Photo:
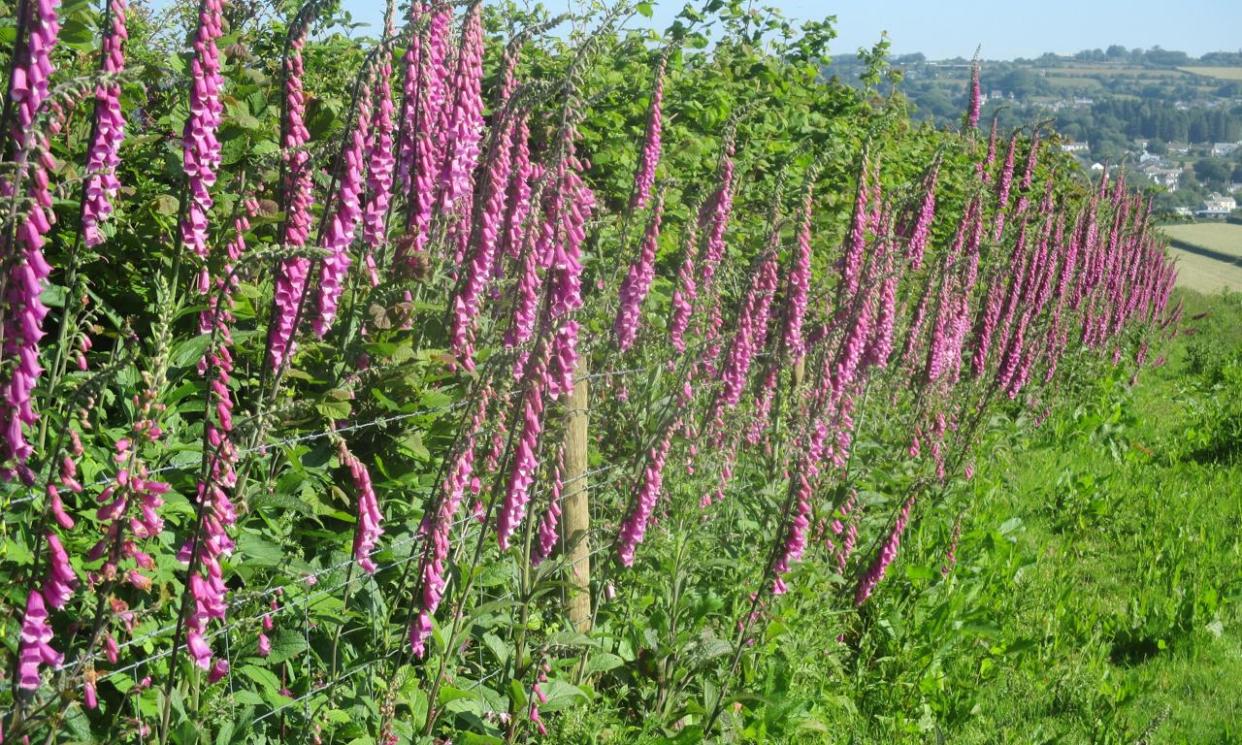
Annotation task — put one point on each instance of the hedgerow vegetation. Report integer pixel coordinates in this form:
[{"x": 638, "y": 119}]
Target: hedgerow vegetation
[{"x": 511, "y": 377}]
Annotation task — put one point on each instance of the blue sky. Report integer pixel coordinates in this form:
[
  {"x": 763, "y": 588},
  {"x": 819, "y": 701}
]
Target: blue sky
[{"x": 948, "y": 28}]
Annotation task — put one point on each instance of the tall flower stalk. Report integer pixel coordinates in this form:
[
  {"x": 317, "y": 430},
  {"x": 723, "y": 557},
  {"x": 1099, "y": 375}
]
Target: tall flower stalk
[
  {"x": 649, "y": 159},
  {"x": 200, "y": 145},
  {"x": 22, "y": 242},
  {"x": 109, "y": 129}
]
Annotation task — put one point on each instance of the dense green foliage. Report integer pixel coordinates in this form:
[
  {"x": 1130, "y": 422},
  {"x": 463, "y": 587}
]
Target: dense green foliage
[{"x": 693, "y": 641}]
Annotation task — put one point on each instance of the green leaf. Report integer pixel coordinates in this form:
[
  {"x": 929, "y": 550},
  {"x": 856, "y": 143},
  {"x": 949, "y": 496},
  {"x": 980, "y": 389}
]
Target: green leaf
[
  {"x": 333, "y": 409},
  {"x": 562, "y": 695},
  {"x": 286, "y": 644},
  {"x": 264, "y": 677},
  {"x": 602, "y": 662},
  {"x": 259, "y": 551},
  {"x": 166, "y": 205}
]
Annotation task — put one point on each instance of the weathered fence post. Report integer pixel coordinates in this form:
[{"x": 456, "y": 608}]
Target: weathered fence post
[{"x": 576, "y": 510}]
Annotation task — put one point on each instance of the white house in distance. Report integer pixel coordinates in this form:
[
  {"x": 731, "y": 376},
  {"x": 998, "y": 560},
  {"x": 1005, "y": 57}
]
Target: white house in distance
[
  {"x": 1075, "y": 147},
  {"x": 1217, "y": 206},
  {"x": 1221, "y": 149},
  {"x": 1169, "y": 178}
]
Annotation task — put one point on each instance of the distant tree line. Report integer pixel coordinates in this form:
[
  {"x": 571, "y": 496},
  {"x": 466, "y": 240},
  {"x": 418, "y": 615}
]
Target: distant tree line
[{"x": 1152, "y": 120}]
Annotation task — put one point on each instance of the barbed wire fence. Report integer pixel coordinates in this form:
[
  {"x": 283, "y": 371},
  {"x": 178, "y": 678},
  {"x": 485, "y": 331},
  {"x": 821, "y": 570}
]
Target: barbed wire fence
[{"x": 73, "y": 672}]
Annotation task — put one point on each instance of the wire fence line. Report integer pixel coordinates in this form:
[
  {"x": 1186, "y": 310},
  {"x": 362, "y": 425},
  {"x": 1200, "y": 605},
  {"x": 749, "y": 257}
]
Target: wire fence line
[
  {"x": 79, "y": 664},
  {"x": 378, "y": 421},
  {"x": 308, "y": 600}
]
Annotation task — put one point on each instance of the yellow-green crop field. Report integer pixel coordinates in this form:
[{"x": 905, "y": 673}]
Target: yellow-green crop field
[
  {"x": 1224, "y": 73},
  {"x": 1205, "y": 273}
]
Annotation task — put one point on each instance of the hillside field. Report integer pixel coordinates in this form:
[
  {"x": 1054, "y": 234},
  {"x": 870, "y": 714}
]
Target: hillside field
[
  {"x": 1223, "y": 73},
  {"x": 1207, "y": 274}
]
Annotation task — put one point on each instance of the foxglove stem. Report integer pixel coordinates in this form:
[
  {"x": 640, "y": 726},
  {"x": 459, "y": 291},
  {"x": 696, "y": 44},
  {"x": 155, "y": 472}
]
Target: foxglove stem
[
  {"x": 26, "y": 267},
  {"x": 380, "y": 161},
  {"x": 464, "y": 128},
  {"x": 637, "y": 282},
  {"x": 420, "y": 155},
  {"x": 370, "y": 517},
  {"x": 200, "y": 147},
  {"x": 644, "y": 177},
  {"x": 290, "y": 281},
  {"x": 922, "y": 227},
  {"x": 459, "y": 479},
  {"x": 799, "y": 282},
  {"x": 888, "y": 552},
  {"x": 687, "y": 289},
  {"x": 856, "y": 242},
  {"x": 795, "y": 539},
  {"x": 339, "y": 235},
  {"x": 634, "y": 526},
  {"x": 489, "y": 234},
  {"x": 718, "y": 219},
  {"x": 548, "y": 533},
  {"x": 972, "y": 108},
  {"x": 103, "y": 155}
]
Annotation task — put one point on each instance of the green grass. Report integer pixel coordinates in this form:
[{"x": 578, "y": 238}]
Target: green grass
[
  {"x": 1131, "y": 580},
  {"x": 1098, "y": 595}
]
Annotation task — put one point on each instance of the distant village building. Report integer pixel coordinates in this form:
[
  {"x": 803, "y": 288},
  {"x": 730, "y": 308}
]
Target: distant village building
[
  {"x": 1183, "y": 212},
  {"x": 1097, "y": 167},
  {"x": 1169, "y": 178},
  {"x": 1179, "y": 148},
  {"x": 1146, "y": 158},
  {"x": 1217, "y": 205},
  {"x": 1221, "y": 149},
  {"x": 1075, "y": 147}
]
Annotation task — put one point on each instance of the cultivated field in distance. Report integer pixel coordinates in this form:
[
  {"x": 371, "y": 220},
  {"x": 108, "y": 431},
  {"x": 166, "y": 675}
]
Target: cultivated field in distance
[
  {"x": 1224, "y": 73},
  {"x": 1209, "y": 255}
]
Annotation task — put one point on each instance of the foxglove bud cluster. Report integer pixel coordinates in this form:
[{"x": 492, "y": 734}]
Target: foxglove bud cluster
[
  {"x": 200, "y": 146},
  {"x": 634, "y": 526},
  {"x": 103, "y": 155},
  {"x": 339, "y": 235},
  {"x": 638, "y": 281},
  {"x": 370, "y": 517},
  {"x": 290, "y": 281},
  {"x": 29, "y": 84},
  {"x": 644, "y": 177}
]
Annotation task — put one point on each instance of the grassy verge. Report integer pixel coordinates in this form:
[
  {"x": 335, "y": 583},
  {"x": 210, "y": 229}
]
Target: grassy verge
[{"x": 1097, "y": 595}]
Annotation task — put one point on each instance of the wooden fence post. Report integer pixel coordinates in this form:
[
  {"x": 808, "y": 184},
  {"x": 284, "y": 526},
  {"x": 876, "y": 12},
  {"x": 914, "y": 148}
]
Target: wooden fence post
[{"x": 576, "y": 507}]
